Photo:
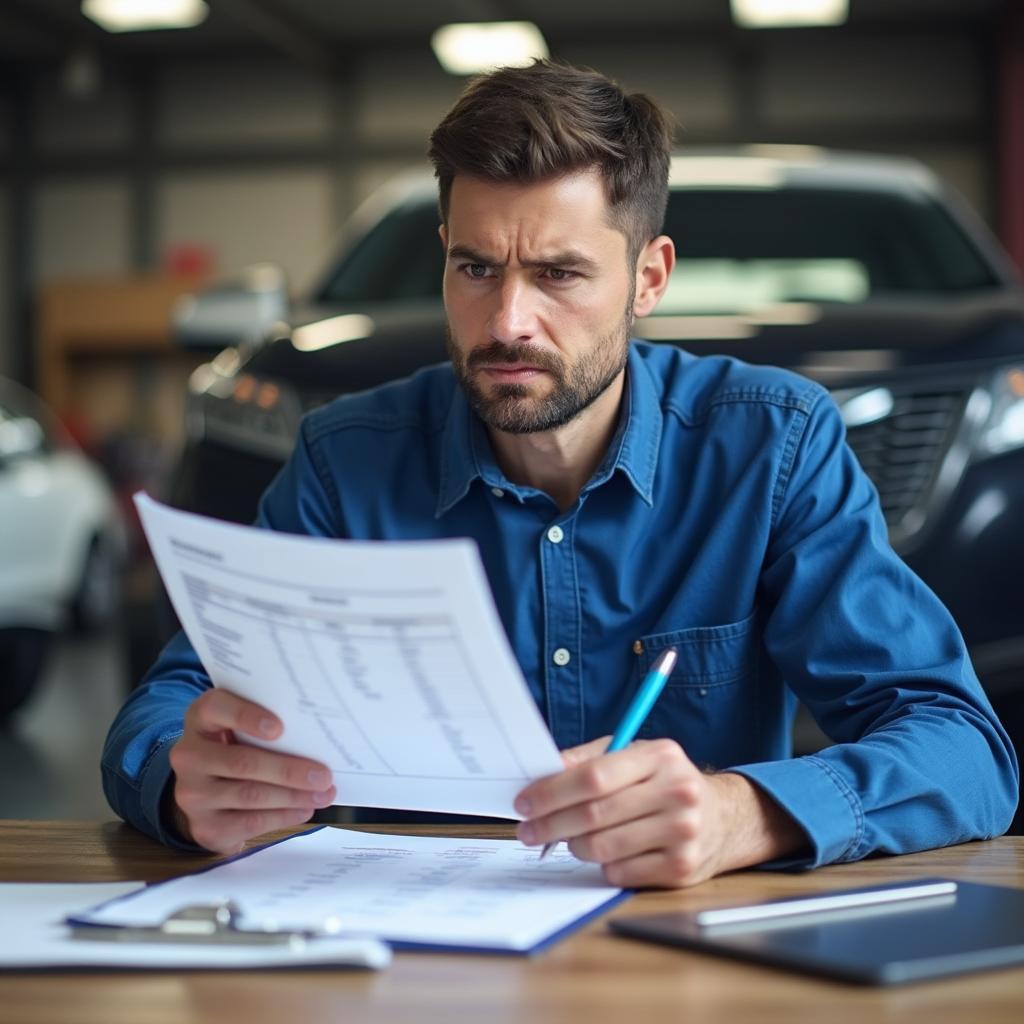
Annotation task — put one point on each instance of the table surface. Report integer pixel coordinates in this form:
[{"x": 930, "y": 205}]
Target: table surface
[{"x": 590, "y": 977}]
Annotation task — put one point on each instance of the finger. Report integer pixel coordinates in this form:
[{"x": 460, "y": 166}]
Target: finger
[
  {"x": 201, "y": 759},
  {"x": 217, "y": 709},
  {"x": 603, "y": 813},
  {"x": 663, "y": 869},
  {"x": 585, "y": 752},
  {"x": 598, "y": 777},
  {"x": 228, "y": 831},
  {"x": 577, "y": 755},
  {"x": 669, "y": 830},
  {"x": 219, "y": 794}
]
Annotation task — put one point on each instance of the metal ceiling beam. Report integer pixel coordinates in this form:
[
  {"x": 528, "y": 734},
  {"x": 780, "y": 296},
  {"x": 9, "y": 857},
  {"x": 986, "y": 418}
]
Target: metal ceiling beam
[
  {"x": 281, "y": 31},
  {"x": 48, "y": 23},
  {"x": 330, "y": 155},
  {"x": 480, "y": 10},
  {"x": 55, "y": 35}
]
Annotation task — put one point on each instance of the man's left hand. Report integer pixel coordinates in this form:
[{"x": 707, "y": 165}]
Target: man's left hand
[{"x": 650, "y": 817}]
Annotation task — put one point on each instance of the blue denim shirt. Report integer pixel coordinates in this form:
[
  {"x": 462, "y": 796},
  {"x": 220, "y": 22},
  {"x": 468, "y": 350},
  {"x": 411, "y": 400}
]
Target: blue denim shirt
[{"x": 728, "y": 518}]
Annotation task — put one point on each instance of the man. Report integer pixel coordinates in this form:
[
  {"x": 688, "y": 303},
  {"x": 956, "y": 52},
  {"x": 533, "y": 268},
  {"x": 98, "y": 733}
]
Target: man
[{"x": 625, "y": 497}]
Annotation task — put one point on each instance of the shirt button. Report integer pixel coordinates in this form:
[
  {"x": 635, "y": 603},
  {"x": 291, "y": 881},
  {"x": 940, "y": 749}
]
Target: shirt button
[
  {"x": 561, "y": 656},
  {"x": 555, "y": 535},
  {"x": 497, "y": 492}
]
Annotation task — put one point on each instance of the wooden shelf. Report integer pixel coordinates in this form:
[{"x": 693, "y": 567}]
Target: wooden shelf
[{"x": 105, "y": 356}]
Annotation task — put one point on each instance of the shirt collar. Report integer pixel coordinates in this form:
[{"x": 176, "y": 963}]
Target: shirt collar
[
  {"x": 458, "y": 462},
  {"x": 466, "y": 451},
  {"x": 641, "y": 442}
]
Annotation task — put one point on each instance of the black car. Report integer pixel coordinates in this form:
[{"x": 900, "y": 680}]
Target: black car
[{"x": 865, "y": 273}]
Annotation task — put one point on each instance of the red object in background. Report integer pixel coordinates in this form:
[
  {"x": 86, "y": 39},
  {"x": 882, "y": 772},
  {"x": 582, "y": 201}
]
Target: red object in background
[
  {"x": 189, "y": 260},
  {"x": 81, "y": 432}
]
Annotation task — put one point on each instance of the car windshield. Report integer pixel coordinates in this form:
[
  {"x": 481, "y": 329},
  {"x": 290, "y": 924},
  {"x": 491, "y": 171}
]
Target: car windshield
[
  {"x": 401, "y": 258},
  {"x": 738, "y": 249}
]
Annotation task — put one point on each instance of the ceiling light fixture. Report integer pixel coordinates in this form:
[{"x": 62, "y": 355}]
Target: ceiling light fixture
[
  {"x": 476, "y": 48},
  {"x": 789, "y": 13},
  {"x": 145, "y": 15}
]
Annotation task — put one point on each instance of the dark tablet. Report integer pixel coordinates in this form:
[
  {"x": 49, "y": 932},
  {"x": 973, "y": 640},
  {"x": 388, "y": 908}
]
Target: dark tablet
[{"x": 881, "y": 935}]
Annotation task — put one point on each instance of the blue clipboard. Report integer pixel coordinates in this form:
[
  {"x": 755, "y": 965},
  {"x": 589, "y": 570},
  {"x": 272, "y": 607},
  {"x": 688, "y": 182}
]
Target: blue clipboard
[{"x": 210, "y": 924}]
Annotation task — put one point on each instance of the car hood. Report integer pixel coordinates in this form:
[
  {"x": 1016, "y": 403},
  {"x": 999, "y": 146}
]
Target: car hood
[
  {"x": 838, "y": 345},
  {"x": 841, "y": 344}
]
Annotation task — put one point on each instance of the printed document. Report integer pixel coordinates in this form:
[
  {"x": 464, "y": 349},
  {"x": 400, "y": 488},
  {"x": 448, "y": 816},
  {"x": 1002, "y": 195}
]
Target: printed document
[
  {"x": 40, "y": 938},
  {"x": 387, "y": 661},
  {"x": 462, "y": 893}
]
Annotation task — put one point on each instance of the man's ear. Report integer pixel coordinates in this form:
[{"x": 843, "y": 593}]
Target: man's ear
[
  {"x": 442, "y": 230},
  {"x": 654, "y": 267}
]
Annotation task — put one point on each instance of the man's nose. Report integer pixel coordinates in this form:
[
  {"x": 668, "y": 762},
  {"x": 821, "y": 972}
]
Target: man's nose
[{"x": 515, "y": 317}]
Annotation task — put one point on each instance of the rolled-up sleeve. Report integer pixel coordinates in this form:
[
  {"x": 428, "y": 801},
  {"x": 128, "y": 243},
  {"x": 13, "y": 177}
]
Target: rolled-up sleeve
[
  {"x": 135, "y": 765},
  {"x": 920, "y": 759}
]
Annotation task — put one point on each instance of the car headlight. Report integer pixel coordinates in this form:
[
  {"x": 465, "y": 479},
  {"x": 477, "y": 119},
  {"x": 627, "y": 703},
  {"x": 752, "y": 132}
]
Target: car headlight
[
  {"x": 1003, "y": 430},
  {"x": 241, "y": 410}
]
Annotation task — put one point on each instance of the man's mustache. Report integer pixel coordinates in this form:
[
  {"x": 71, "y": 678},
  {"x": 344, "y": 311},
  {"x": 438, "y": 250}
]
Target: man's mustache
[{"x": 497, "y": 353}]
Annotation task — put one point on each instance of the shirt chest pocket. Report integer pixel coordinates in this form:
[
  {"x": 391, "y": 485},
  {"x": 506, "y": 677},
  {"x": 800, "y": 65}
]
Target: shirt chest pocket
[{"x": 710, "y": 702}]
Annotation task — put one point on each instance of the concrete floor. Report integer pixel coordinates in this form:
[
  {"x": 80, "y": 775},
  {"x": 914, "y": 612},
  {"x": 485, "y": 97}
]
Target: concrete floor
[{"x": 50, "y": 750}]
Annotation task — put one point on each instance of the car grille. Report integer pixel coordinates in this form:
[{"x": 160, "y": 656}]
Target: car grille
[{"x": 904, "y": 453}]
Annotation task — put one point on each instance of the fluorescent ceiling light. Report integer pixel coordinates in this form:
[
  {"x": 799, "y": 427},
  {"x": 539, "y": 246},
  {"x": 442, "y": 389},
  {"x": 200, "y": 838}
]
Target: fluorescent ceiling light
[
  {"x": 788, "y": 13},
  {"x": 476, "y": 48},
  {"x": 143, "y": 15}
]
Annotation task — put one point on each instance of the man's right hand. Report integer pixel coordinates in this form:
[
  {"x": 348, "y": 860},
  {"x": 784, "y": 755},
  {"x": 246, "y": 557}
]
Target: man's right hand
[{"x": 226, "y": 792}]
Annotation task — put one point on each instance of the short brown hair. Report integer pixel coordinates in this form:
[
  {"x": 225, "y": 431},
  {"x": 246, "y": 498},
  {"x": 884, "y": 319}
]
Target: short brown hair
[{"x": 538, "y": 122}]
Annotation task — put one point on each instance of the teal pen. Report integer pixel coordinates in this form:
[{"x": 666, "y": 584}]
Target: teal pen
[{"x": 639, "y": 708}]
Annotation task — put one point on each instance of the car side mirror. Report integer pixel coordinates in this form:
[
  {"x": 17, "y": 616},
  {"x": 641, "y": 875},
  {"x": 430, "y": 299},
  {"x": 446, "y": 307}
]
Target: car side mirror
[
  {"x": 242, "y": 312},
  {"x": 20, "y": 437}
]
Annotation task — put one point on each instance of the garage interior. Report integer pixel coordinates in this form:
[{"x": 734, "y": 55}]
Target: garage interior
[{"x": 138, "y": 167}]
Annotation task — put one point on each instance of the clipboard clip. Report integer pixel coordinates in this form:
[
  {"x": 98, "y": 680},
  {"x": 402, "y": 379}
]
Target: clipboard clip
[{"x": 202, "y": 924}]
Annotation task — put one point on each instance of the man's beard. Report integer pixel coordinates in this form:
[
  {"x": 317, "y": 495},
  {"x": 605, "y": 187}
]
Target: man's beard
[{"x": 509, "y": 407}]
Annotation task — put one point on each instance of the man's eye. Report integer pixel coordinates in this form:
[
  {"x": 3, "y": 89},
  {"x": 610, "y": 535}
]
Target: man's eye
[
  {"x": 560, "y": 274},
  {"x": 478, "y": 271}
]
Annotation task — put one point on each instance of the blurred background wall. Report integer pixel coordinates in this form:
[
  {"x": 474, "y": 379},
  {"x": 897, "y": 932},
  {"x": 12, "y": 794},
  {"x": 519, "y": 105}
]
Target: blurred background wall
[{"x": 253, "y": 137}]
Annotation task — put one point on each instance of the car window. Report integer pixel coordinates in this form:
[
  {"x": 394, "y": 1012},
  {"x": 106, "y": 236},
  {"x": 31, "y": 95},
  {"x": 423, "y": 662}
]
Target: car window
[
  {"x": 400, "y": 258},
  {"x": 737, "y": 249}
]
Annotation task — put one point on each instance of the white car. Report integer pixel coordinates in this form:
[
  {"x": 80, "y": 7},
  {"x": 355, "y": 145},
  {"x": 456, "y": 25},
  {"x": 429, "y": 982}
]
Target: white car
[{"x": 61, "y": 540}]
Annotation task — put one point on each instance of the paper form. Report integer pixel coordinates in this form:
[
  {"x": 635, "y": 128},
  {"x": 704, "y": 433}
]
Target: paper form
[
  {"x": 477, "y": 893},
  {"x": 385, "y": 661},
  {"x": 35, "y": 936}
]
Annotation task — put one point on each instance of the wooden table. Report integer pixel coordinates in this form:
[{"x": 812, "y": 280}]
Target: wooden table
[{"x": 591, "y": 977}]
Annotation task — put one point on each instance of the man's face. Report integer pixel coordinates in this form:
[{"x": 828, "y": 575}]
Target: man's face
[{"x": 539, "y": 298}]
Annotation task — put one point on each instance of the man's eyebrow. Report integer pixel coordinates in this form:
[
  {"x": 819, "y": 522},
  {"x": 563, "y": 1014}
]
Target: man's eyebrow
[
  {"x": 463, "y": 252},
  {"x": 570, "y": 259}
]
